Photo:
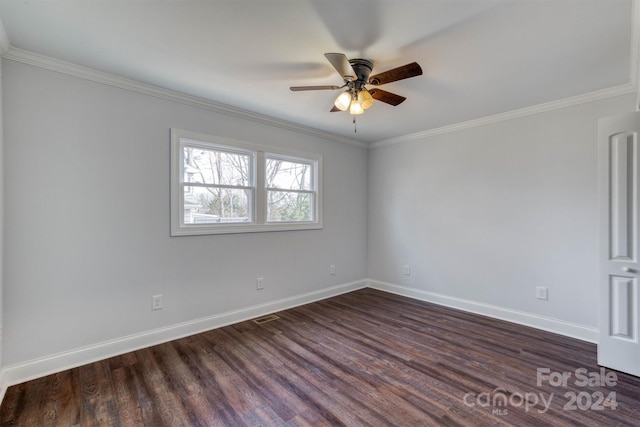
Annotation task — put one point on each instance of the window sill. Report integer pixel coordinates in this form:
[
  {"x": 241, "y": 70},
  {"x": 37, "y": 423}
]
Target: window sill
[{"x": 199, "y": 230}]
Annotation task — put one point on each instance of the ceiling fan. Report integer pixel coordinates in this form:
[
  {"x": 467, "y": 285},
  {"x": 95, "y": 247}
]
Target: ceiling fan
[{"x": 356, "y": 75}]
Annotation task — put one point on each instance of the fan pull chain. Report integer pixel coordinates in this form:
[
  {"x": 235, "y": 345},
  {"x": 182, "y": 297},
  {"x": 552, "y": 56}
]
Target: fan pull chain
[{"x": 355, "y": 127}]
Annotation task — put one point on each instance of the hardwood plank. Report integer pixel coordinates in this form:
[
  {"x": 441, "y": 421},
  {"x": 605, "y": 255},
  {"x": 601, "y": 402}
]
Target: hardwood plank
[
  {"x": 364, "y": 358},
  {"x": 125, "y": 396}
]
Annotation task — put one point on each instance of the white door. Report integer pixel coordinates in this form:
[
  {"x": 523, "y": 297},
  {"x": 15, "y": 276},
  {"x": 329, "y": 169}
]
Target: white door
[{"x": 618, "y": 156}]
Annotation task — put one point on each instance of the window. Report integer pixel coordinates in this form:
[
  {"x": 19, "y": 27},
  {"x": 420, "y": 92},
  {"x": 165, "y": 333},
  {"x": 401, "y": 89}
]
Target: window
[
  {"x": 290, "y": 194},
  {"x": 224, "y": 186},
  {"x": 217, "y": 184}
]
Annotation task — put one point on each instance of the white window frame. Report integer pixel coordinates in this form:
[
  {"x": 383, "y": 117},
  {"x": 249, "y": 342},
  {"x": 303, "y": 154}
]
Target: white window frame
[
  {"x": 311, "y": 192},
  {"x": 258, "y": 206}
]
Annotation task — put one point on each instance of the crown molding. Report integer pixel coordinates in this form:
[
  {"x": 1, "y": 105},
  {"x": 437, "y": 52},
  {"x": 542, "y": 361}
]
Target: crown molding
[
  {"x": 53, "y": 64},
  {"x": 79, "y": 71},
  {"x": 522, "y": 112},
  {"x": 632, "y": 87}
]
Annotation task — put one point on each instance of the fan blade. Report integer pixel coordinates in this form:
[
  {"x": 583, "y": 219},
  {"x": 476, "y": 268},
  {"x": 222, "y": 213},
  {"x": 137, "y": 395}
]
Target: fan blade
[
  {"x": 400, "y": 73},
  {"x": 342, "y": 65},
  {"x": 388, "y": 97},
  {"x": 334, "y": 109},
  {"x": 300, "y": 88}
]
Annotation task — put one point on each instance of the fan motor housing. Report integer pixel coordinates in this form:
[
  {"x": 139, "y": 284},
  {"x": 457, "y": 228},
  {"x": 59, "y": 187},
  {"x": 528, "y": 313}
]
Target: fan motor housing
[{"x": 363, "y": 68}]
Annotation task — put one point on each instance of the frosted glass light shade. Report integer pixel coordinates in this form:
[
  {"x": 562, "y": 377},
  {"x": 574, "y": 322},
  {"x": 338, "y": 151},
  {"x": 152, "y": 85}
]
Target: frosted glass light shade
[
  {"x": 356, "y": 108},
  {"x": 365, "y": 99},
  {"x": 343, "y": 101}
]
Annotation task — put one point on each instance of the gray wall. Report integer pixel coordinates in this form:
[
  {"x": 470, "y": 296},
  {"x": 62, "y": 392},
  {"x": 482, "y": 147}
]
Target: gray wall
[
  {"x": 487, "y": 214},
  {"x": 87, "y": 218},
  {"x": 484, "y": 214}
]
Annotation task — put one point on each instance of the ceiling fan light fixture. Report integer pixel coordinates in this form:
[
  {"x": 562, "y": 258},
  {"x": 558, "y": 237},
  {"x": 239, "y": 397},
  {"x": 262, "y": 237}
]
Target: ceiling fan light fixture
[
  {"x": 356, "y": 74},
  {"x": 355, "y": 107},
  {"x": 365, "y": 99},
  {"x": 343, "y": 101}
]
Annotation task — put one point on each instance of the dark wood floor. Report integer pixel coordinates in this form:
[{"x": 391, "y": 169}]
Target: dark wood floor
[{"x": 363, "y": 358}]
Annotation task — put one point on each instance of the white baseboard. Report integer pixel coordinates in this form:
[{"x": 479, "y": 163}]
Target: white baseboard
[
  {"x": 16, "y": 374},
  {"x": 573, "y": 330},
  {"x": 3, "y": 385}
]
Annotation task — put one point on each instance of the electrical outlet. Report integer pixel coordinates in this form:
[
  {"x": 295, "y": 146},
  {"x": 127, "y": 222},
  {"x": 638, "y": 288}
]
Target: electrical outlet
[
  {"x": 406, "y": 270},
  {"x": 542, "y": 293},
  {"x": 156, "y": 302},
  {"x": 332, "y": 269},
  {"x": 260, "y": 283}
]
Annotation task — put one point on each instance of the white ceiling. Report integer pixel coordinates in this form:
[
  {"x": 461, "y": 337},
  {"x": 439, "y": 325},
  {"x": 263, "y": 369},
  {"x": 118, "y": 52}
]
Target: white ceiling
[{"x": 479, "y": 58}]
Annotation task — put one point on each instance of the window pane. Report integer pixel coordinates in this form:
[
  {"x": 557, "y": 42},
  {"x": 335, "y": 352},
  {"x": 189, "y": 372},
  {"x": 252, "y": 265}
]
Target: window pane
[
  {"x": 216, "y": 167},
  {"x": 287, "y": 175},
  {"x": 285, "y": 206},
  {"x": 216, "y": 205}
]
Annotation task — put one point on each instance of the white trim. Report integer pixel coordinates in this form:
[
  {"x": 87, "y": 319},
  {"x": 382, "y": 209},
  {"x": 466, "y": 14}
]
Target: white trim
[
  {"x": 26, "y": 371},
  {"x": 634, "y": 55},
  {"x": 4, "y": 385},
  {"x": 75, "y": 70},
  {"x": 16, "y": 374},
  {"x": 501, "y": 117},
  {"x": 573, "y": 330},
  {"x": 259, "y": 153}
]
